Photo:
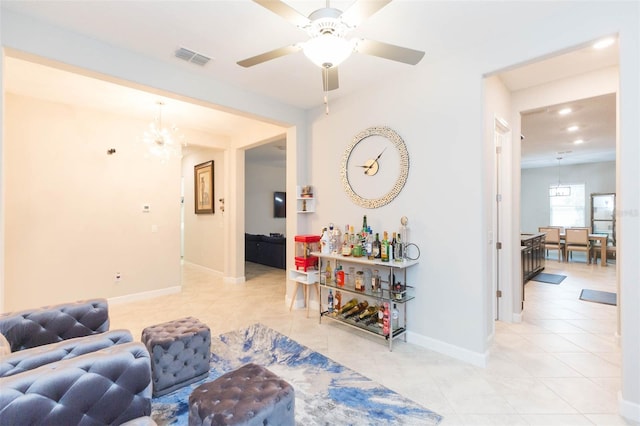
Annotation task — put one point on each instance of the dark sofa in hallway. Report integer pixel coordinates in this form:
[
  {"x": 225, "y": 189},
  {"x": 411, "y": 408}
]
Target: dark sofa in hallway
[{"x": 266, "y": 250}]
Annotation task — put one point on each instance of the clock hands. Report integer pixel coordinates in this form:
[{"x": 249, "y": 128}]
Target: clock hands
[{"x": 368, "y": 167}]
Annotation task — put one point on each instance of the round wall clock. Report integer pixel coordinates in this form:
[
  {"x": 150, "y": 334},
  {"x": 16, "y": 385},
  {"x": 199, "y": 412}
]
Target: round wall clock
[{"x": 375, "y": 167}]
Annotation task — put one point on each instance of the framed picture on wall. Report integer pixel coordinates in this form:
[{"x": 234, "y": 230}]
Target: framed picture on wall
[{"x": 203, "y": 185}]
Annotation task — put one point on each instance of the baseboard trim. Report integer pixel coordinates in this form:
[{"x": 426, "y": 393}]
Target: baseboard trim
[
  {"x": 144, "y": 295},
  {"x": 203, "y": 268},
  {"x": 628, "y": 409},
  {"x": 462, "y": 354},
  {"x": 229, "y": 280}
]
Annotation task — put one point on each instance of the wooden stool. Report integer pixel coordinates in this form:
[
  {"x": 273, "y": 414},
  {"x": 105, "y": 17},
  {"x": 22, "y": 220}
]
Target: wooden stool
[{"x": 306, "y": 294}]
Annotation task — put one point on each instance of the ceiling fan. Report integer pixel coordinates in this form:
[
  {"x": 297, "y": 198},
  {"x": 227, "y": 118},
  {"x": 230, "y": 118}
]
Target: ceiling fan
[{"x": 328, "y": 46}]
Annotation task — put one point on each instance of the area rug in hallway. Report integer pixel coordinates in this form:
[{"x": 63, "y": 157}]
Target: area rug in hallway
[
  {"x": 326, "y": 391},
  {"x": 543, "y": 277},
  {"x": 598, "y": 296}
]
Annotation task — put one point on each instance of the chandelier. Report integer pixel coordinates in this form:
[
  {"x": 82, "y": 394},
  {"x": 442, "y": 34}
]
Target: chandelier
[
  {"x": 559, "y": 190},
  {"x": 163, "y": 142}
]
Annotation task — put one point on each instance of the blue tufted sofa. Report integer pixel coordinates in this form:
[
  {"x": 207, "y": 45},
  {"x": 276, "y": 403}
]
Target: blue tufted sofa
[{"x": 67, "y": 368}]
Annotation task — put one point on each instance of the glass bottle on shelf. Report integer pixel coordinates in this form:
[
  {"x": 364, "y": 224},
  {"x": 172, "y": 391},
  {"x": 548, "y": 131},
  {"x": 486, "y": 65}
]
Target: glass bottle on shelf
[
  {"x": 325, "y": 242},
  {"x": 384, "y": 248},
  {"x": 392, "y": 247},
  {"x": 398, "y": 248},
  {"x": 367, "y": 280},
  {"x": 395, "y": 315},
  {"x": 336, "y": 239},
  {"x": 377, "y": 247},
  {"x": 385, "y": 319},
  {"x": 339, "y": 276},
  {"x": 365, "y": 229},
  {"x": 328, "y": 273},
  {"x": 359, "y": 285},
  {"x": 375, "y": 282},
  {"x": 330, "y": 302},
  {"x": 351, "y": 277}
]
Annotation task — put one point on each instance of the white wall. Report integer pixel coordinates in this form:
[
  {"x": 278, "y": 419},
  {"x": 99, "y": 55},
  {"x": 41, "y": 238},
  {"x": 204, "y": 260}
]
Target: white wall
[
  {"x": 534, "y": 209},
  {"x": 75, "y": 213},
  {"x": 261, "y": 182},
  {"x": 204, "y": 233}
]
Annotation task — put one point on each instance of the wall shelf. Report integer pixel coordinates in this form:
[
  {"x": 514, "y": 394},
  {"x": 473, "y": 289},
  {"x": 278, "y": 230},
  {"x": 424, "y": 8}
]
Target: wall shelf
[{"x": 304, "y": 203}]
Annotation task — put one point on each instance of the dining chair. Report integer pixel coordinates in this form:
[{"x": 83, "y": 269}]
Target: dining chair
[
  {"x": 552, "y": 241},
  {"x": 577, "y": 239}
]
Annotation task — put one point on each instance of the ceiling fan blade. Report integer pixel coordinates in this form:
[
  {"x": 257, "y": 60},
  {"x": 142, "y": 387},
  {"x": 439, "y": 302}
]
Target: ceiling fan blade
[
  {"x": 285, "y": 11},
  {"x": 329, "y": 79},
  {"x": 267, "y": 56},
  {"x": 389, "y": 51},
  {"x": 361, "y": 10}
]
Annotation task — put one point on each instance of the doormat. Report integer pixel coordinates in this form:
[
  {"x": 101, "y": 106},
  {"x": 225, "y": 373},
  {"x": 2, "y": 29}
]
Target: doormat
[
  {"x": 549, "y": 278},
  {"x": 599, "y": 297}
]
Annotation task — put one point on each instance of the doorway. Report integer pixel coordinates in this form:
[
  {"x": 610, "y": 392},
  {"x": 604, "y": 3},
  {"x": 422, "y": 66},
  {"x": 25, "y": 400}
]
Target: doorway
[{"x": 534, "y": 88}]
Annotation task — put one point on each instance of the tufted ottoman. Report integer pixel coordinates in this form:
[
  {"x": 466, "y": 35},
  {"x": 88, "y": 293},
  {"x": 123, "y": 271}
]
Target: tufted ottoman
[
  {"x": 180, "y": 351},
  {"x": 250, "y": 396}
]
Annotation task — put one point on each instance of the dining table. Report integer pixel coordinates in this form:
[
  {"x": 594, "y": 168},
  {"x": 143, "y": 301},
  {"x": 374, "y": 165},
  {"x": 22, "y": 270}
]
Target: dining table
[{"x": 602, "y": 238}]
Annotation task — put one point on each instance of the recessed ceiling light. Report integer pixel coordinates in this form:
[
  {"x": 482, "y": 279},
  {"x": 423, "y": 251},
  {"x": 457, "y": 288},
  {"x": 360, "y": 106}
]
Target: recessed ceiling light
[
  {"x": 564, "y": 111},
  {"x": 578, "y": 141},
  {"x": 572, "y": 128},
  {"x": 604, "y": 43}
]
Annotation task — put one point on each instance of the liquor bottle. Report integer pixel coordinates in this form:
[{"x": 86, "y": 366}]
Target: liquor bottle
[
  {"x": 385, "y": 319},
  {"x": 328, "y": 273},
  {"x": 369, "y": 244},
  {"x": 375, "y": 282},
  {"x": 356, "y": 309},
  {"x": 398, "y": 254},
  {"x": 365, "y": 229},
  {"x": 384, "y": 247},
  {"x": 336, "y": 239},
  {"x": 325, "y": 242},
  {"x": 359, "y": 281},
  {"x": 339, "y": 276},
  {"x": 395, "y": 315},
  {"x": 392, "y": 247},
  {"x": 337, "y": 301},
  {"x": 346, "y": 246},
  {"x": 347, "y": 306},
  {"x": 330, "y": 302},
  {"x": 377, "y": 248},
  {"x": 371, "y": 310}
]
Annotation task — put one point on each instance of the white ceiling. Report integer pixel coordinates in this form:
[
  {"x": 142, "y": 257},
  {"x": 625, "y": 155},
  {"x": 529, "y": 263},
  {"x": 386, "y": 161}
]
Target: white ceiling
[{"x": 229, "y": 31}]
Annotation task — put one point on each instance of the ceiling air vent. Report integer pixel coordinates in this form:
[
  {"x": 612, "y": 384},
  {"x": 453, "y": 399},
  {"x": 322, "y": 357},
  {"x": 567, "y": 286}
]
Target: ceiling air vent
[{"x": 191, "y": 56}]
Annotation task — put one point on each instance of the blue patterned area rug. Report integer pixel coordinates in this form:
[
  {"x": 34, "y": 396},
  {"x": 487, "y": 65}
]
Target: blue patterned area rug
[{"x": 327, "y": 393}]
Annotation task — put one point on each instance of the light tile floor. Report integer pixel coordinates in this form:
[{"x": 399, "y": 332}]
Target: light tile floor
[{"x": 560, "y": 366}]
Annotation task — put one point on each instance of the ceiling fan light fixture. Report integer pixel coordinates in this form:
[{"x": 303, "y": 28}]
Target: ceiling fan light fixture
[{"x": 328, "y": 50}]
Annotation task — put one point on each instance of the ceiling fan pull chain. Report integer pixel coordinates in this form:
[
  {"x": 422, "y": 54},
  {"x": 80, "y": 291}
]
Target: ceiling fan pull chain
[{"x": 325, "y": 75}]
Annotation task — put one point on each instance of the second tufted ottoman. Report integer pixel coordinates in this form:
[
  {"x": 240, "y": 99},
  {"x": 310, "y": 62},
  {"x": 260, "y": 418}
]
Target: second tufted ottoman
[
  {"x": 248, "y": 396},
  {"x": 180, "y": 352}
]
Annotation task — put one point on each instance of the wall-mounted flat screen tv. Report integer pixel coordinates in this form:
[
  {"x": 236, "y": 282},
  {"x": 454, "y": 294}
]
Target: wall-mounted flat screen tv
[{"x": 279, "y": 204}]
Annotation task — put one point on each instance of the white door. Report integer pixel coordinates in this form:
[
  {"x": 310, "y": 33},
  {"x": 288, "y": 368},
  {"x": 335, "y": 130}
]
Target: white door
[{"x": 502, "y": 134}]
